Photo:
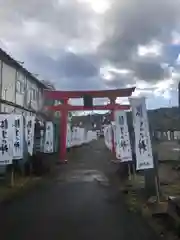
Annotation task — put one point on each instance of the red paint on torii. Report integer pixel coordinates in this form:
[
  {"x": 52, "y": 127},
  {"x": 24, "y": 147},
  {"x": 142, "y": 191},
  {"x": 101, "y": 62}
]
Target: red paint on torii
[
  {"x": 64, "y": 108},
  {"x": 68, "y": 107},
  {"x": 59, "y": 95}
]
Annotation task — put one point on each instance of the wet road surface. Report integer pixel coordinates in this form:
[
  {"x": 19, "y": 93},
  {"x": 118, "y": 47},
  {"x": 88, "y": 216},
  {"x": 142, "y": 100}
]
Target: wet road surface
[{"x": 74, "y": 205}]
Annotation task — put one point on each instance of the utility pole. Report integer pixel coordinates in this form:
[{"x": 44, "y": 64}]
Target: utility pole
[{"x": 178, "y": 114}]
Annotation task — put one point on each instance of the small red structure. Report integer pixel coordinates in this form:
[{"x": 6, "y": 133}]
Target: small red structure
[{"x": 65, "y": 107}]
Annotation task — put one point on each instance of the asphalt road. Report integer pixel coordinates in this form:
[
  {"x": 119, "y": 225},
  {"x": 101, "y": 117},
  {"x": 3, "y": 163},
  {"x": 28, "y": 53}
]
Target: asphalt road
[{"x": 76, "y": 204}]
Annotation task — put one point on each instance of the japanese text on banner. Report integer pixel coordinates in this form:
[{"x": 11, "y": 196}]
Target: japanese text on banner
[
  {"x": 6, "y": 139},
  {"x": 142, "y": 137},
  {"x": 123, "y": 146}
]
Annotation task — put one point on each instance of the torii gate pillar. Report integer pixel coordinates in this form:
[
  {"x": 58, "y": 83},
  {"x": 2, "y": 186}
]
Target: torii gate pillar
[
  {"x": 113, "y": 101},
  {"x": 63, "y": 132}
]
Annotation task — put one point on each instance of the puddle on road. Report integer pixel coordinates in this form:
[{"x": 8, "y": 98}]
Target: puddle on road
[
  {"x": 84, "y": 176},
  {"x": 97, "y": 150}
]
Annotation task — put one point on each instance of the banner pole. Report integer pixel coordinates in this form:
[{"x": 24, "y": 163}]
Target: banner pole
[
  {"x": 12, "y": 177},
  {"x": 134, "y": 171},
  {"x": 129, "y": 172},
  {"x": 157, "y": 190}
]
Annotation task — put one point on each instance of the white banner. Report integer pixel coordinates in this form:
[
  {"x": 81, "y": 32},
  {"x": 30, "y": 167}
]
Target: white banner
[
  {"x": 123, "y": 146},
  {"x": 108, "y": 136},
  {"x": 49, "y": 138},
  {"x": 88, "y": 137},
  {"x": 92, "y": 135},
  {"x": 18, "y": 128},
  {"x": 81, "y": 135},
  {"x": 68, "y": 136},
  {"x": 85, "y": 136},
  {"x": 144, "y": 158},
  {"x": 75, "y": 139},
  {"x": 29, "y": 132},
  {"x": 6, "y": 139},
  {"x": 42, "y": 132},
  {"x": 78, "y": 136}
]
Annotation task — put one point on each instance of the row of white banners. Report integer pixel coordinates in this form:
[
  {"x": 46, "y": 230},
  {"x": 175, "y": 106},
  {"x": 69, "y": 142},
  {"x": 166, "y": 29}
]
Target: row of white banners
[
  {"x": 15, "y": 130},
  {"x": 13, "y": 133},
  {"x": 78, "y": 136},
  {"x": 143, "y": 148}
]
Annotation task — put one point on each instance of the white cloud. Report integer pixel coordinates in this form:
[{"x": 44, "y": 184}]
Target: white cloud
[
  {"x": 40, "y": 32},
  {"x": 152, "y": 50},
  {"x": 99, "y": 6}
]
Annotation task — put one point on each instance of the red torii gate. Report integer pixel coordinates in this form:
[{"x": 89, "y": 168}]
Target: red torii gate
[{"x": 64, "y": 108}]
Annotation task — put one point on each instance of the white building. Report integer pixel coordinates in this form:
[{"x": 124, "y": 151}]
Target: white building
[{"x": 20, "y": 91}]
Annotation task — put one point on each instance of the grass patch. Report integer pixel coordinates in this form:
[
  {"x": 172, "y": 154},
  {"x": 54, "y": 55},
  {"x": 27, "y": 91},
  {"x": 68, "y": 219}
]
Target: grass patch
[{"x": 21, "y": 184}]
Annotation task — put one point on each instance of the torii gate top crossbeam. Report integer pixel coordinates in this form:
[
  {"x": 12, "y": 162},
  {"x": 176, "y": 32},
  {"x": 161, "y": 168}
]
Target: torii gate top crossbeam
[{"x": 59, "y": 95}]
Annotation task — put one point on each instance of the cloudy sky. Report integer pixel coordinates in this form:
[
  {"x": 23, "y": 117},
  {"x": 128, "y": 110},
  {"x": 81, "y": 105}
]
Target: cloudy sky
[{"x": 98, "y": 44}]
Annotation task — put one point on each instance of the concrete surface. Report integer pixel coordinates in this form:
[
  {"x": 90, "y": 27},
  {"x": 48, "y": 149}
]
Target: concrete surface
[{"x": 80, "y": 203}]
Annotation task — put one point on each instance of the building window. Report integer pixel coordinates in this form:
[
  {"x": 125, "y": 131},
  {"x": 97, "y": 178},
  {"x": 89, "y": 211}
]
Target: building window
[
  {"x": 20, "y": 83},
  {"x": 8, "y": 109},
  {"x": 34, "y": 94},
  {"x": 20, "y": 87},
  {"x": 5, "y": 109}
]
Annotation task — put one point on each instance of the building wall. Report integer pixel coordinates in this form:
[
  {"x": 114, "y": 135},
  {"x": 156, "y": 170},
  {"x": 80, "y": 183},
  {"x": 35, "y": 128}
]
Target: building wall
[
  {"x": 6, "y": 108},
  {"x": 17, "y": 88},
  {"x": 179, "y": 94},
  {"x": 41, "y": 99},
  {"x": 8, "y": 82},
  {"x": 20, "y": 83},
  {"x": 34, "y": 96}
]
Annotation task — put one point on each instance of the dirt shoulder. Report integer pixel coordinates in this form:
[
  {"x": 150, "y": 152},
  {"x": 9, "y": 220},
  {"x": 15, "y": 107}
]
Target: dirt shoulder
[{"x": 160, "y": 216}]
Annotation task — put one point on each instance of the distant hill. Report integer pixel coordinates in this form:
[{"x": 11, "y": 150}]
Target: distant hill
[{"x": 162, "y": 119}]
